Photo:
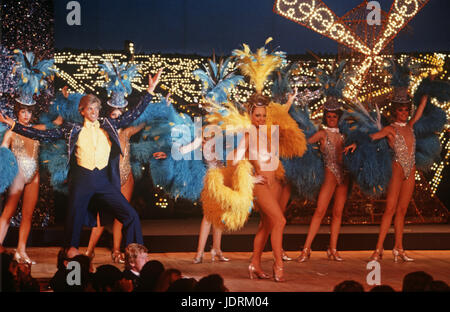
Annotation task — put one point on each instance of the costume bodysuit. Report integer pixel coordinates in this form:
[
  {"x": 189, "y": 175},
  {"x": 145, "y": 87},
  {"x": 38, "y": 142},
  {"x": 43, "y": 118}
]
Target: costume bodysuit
[
  {"x": 28, "y": 165},
  {"x": 124, "y": 164},
  {"x": 332, "y": 160},
  {"x": 401, "y": 156}
]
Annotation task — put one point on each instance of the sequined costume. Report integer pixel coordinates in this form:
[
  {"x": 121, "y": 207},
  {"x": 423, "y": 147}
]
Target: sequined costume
[
  {"x": 401, "y": 155},
  {"x": 332, "y": 155},
  {"x": 28, "y": 164},
  {"x": 124, "y": 164}
]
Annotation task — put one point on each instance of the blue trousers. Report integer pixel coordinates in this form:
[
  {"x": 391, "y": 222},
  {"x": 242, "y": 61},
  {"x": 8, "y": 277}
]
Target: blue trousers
[{"x": 83, "y": 185}]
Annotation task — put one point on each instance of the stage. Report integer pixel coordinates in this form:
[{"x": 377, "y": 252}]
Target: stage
[
  {"x": 174, "y": 242},
  {"x": 181, "y": 235},
  {"x": 318, "y": 274}
]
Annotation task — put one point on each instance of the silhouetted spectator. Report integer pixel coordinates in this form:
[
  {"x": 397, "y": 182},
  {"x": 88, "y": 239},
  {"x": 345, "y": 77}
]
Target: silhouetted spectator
[
  {"x": 7, "y": 281},
  {"x": 108, "y": 278},
  {"x": 211, "y": 283},
  {"x": 416, "y": 281},
  {"x": 64, "y": 279},
  {"x": 438, "y": 286},
  {"x": 167, "y": 278},
  {"x": 136, "y": 257},
  {"x": 349, "y": 286},
  {"x": 183, "y": 285},
  {"x": 382, "y": 288},
  {"x": 150, "y": 274}
]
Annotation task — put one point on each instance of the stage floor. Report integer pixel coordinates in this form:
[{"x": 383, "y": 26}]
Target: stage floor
[{"x": 318, "y": 274}]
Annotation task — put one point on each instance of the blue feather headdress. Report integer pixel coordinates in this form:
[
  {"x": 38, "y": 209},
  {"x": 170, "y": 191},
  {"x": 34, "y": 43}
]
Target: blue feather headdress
[
  {"x": 332, "y": 85},
  {"x": 31, "y": 76},
  {"x": 401, "y": 77},
  {"x": 217, "y": 80},
  {"x": 281, "y": 82},
  {"x": 118, "y": 82}
]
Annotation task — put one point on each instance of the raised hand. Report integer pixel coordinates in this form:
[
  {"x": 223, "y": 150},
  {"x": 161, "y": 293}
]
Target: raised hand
[
  {"x": 350, "y": 148},
  {"x": 153, "y": 82}
]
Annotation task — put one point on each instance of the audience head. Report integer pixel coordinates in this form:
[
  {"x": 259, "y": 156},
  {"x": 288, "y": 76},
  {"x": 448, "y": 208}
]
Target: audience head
[
  {"x": 136, "y": 256},
  {"x": 108, "y": 278},
  {"x": 382, "y": 288},
  {"x": 416, "y": 281},
  {"x": 349, "y": 286},
  {"x": 167, "y": 278},
  {"x": 183, "y": 285},
  {"x": 211, "y": 283},
  {"x": 8, "y": 266},
  {"x": 438, "y": 286},
  {"x": 150, "y": 274}
]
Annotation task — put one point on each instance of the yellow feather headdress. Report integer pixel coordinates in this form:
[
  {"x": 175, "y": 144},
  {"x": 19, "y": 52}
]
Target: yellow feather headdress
[{"x": 258, "y": 66}]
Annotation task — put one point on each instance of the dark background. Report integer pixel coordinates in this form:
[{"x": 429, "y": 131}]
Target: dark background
[{"x": 199, "y": 26}]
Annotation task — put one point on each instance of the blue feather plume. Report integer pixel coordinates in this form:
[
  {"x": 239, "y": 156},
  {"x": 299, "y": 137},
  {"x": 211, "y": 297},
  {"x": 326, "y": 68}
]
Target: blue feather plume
[
  {"x": 333, "y": 83},
  {"x": 53, "y": 156},
  {"x": 31, "y": 76},
  {"x": 118, "y": 77},
  {"x": 401, "y": 73},
  {"x": 217, "y": 80},
  {"x": 8, "y": 167}
]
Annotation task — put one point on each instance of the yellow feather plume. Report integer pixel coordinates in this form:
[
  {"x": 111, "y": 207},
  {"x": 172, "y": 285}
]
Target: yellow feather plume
[
  {"x": 292, "y": 140},
  {"x": 227, "y": 196},
  {"x": 234, "y": 121},
  {"x": 257, "y": 66}
]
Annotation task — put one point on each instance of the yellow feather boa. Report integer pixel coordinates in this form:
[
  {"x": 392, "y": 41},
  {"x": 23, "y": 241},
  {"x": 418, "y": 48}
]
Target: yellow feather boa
[
  {"x": 227, "y": 196},
  {"x": 292, "y": 139}
]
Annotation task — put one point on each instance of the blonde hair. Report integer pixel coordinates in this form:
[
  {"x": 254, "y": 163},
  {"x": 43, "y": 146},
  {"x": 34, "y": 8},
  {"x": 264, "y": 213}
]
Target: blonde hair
[
  {"x": 87, "y": 100},
  {"x": 131, "y": 253}
]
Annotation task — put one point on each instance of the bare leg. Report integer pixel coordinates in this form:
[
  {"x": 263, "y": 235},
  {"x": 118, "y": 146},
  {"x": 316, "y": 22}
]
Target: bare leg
[
  {"x": 325, "y": 195},
  {"x": 339, "y": 203},
  {"x": 205, "y": 227},
  {"x": 405, "y": 196},
  {"x": 394, "y": 187},
  {"x": 30, "y": 197},
  {"x": 217, "y": 237},
  {"x": 260, "y": 241},
  {"x": 275, "y": 217},
  {"x": 14, "y": 194}
]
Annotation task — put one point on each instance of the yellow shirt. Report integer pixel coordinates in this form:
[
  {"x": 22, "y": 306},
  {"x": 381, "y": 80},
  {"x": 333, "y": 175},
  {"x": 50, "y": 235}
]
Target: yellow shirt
[{"x": 93, "y": 146}]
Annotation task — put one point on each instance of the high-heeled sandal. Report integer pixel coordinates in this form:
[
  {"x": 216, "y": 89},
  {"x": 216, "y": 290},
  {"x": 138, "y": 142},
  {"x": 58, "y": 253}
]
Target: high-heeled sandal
[
  {"x": 377, "y": 255},
  {"x": 256, "y": 274},
  {"x": 91, "y": 256},
  {"x": 22, "y": 257},
  {"x": 117, "y": 257},
  {"x": 278, "y": 273},
  {"x": 285, "y": 257},
  {"x": 198, "y": 259},
  {"x": 305, "y": 255},
  {"x": 333, "y": 255},
  {"x": 400, "y": 253},
  {"x": 218, "y": 254}
]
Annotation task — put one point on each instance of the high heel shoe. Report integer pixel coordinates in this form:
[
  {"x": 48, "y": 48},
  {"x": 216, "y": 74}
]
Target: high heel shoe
[
  {"x": 198, "y": 259},
  {"x": 278, "y": 273},
  {"x": 377, "y": 255},
  {"x": 333, "y": 255},
  {"x": 253, "y": 273},
  {"x": 218, "y": 254},
  {"x": 22, "y": 257},
  {"x": 402, "y": 254},
  {"x": 117, "y": 257},
  {"x": 90, "y": 256},
  {"x": 285, "y": 257},
  {"x": 305, "y": 255}
]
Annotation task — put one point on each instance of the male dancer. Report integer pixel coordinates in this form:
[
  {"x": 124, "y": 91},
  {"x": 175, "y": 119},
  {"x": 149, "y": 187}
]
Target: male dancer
[{"x": 93, "y": 153}]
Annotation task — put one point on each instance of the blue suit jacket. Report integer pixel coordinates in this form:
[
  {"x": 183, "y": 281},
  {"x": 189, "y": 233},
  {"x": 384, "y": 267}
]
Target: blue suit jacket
[{"x": 70, "y": 132}]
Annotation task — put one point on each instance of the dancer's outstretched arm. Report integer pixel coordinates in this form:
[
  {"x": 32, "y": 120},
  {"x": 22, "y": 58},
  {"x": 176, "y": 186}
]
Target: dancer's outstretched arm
[
  {"x": 419, "y": 111},
  {"x": 291, "y": 99},
  {"x": 316, "y": 137}
]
